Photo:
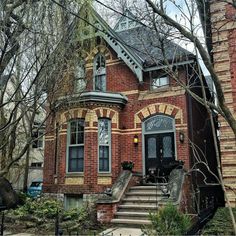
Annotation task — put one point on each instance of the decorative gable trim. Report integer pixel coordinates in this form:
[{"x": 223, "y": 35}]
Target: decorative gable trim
[{"x": 134, "y": 62}]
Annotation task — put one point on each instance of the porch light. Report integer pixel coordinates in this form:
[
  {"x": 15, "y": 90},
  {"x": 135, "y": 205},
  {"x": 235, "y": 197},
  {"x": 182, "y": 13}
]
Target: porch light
[
  {"x": 136, "y": 139},
  {"x": 181, "y": 137}
]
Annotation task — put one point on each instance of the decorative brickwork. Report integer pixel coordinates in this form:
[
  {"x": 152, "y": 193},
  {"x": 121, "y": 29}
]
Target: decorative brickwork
[{"x": 224, "y": 48}]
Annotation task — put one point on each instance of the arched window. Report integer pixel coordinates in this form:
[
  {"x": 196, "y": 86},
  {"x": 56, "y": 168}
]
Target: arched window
[
  {"x": 159, "y": 124},
  {"x": 100, "y": 73}
]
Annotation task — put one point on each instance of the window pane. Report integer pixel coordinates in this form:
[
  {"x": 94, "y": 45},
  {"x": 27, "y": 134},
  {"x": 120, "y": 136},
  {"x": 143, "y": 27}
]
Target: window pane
[
  {"x": 152, "y": 149},
  {"x": 80, "y": 125},
  {"x": 103, "y": 158},
  {"x": 73, "y": 165},
  {"x": 167, "y": 147},
  {"x": 76, "y": 159},
  {"x": 104, "y": 152},
  {"x": 73, "y": 126},
  {"x": 164, "y": 81},
  {"x": 100, "y": 82},
  {"x": 73, "y": 138},
  {"x": 100, "y": 73},
  {"x": 80, "y": 165},
  {"x": 103, "y": 132},
  {"x": 159, "y": 82},
  {"x": 80, "y": 138},
  {"x": 155, "y": 83}
]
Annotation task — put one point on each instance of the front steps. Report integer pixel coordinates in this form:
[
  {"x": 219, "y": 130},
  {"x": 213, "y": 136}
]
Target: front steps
[{"x": 138, "y": 202}]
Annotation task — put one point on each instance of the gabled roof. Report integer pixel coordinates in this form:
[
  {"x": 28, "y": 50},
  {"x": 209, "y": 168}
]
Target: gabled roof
[
  {"x": 140, "y": 47},
  {"x": 153, "y": 48},
  {"x": 132, "y": 60}
]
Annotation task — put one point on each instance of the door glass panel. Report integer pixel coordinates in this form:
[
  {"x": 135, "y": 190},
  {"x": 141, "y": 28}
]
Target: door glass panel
[
  {"x": 167, "y": 146},
  {"x": 152, "y": 150}
]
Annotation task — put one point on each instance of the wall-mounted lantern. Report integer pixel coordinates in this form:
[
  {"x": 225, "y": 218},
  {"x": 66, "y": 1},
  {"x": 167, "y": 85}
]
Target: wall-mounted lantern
[
  {"x": 181, "y": 137},
  {"x": 135, "y": 140}
]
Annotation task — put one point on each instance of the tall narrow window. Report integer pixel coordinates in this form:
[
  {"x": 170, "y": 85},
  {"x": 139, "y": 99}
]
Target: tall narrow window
[
  {"x": 104, "y": 142},
  {"x": 100, "y": 73},
  {"x": 76, "y": 146},
  {"x": 80, "y": 83}
]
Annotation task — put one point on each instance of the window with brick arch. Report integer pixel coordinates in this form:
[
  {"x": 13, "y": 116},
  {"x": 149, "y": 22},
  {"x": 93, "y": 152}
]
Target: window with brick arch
[
  {"x": 100, "y": 73},
  {"x": 104, "y": 145},
  {"x": 75, "y": 146}
]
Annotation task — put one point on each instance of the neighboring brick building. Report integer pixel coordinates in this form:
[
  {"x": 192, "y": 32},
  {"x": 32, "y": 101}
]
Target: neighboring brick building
[
  {"x": 222, "y": 45},
  {"x": 128, "y": 94}
]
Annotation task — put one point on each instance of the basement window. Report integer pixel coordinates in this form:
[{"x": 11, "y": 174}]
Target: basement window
[{"x": 73, "y": 201}]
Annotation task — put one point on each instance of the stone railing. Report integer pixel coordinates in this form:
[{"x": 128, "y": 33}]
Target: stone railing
[{"x": 108, "y": 202}]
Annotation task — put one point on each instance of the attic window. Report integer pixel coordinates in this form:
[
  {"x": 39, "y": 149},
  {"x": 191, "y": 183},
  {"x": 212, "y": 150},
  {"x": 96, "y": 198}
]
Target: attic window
[
  {"x": 100, "y": 73},
  {"x": 159, "y": 82}
]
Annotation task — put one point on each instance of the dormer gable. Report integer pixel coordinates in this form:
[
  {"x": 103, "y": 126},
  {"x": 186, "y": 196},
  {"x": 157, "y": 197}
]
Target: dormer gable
[{"x": 126, "y": 21}]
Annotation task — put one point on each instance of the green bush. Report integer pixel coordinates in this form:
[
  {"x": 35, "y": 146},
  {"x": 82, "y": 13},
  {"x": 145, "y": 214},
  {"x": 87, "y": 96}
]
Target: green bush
[
  {"x": 168, "y": 221},
  {"x": 44, "y": 208},
  {"x": 40, "y": 214},
  {"x": 220, "y": 224}
]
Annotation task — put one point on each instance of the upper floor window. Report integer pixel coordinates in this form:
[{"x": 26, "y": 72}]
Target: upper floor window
[
  {"x": 38, "y": 136},
  {"x": 75, "y": 147},
  {"x": 104, "y": 142},
  {"x": 159, "y": 82},
  {"x": 100, "y": 73},
  {"x": 80, "y": 83}
]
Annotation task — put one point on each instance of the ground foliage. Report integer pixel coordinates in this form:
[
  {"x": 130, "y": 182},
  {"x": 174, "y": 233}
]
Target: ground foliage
[
  {"x": 220, "y": 224},
  {"x": 39, "y": 216},
  {"x": 168, "y": 221}
]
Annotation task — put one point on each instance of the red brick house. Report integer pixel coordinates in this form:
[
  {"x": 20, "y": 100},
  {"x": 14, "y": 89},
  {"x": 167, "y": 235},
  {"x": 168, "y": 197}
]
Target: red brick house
[{"x": 120, "y": 103}]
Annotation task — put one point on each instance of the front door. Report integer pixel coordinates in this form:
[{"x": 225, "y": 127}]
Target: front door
[{"x": 159, "y": 151}]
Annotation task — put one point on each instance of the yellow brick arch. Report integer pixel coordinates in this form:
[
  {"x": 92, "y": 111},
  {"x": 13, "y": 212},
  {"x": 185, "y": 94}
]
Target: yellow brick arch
[
  {"x": 158, "y": 108},
  {"x": 106, "y": 112},
  {"x": 98, "y": 49},
  {"x": 74, "y": 114}
]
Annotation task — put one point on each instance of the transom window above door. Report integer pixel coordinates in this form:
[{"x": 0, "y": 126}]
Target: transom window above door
[
  {"x": 159, "y": 123},
  {"x": 100, "y": 73}
]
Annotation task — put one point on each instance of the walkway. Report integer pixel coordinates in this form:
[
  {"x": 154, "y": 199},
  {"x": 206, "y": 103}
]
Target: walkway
[{"x": 122, "y": 232}]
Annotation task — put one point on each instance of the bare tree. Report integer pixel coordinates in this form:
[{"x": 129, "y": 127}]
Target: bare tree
[{"x": 33, "y": 36}]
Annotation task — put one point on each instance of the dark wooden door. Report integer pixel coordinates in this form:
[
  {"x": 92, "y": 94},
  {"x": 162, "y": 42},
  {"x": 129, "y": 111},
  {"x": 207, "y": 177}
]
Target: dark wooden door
[{"x": 159, "y": 150}]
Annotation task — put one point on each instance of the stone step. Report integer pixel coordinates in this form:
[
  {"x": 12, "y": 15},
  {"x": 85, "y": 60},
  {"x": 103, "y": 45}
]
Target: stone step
[
  {"x": 132, "y": 215},
  {"x": 148, "y": 187},
  {"x": 131, "y": 221},
  {"x": 145, "y": 198},
  {"x": 145, "y": 193},
  {"x": 134, "y": 207}
]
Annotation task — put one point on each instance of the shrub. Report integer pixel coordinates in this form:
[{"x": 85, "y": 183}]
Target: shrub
[
  {"x": 44, "y": 208},
  {"x": 168, "y": 221},
  {"x": 220, "y": 224}
]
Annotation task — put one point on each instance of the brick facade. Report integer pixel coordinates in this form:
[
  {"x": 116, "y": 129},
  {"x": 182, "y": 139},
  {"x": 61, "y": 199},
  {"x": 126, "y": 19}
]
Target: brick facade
[
  {"x": 126, "y": 122},
  {"x": 224, "y": 58},
  {"x": 128, "y": 102}
]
